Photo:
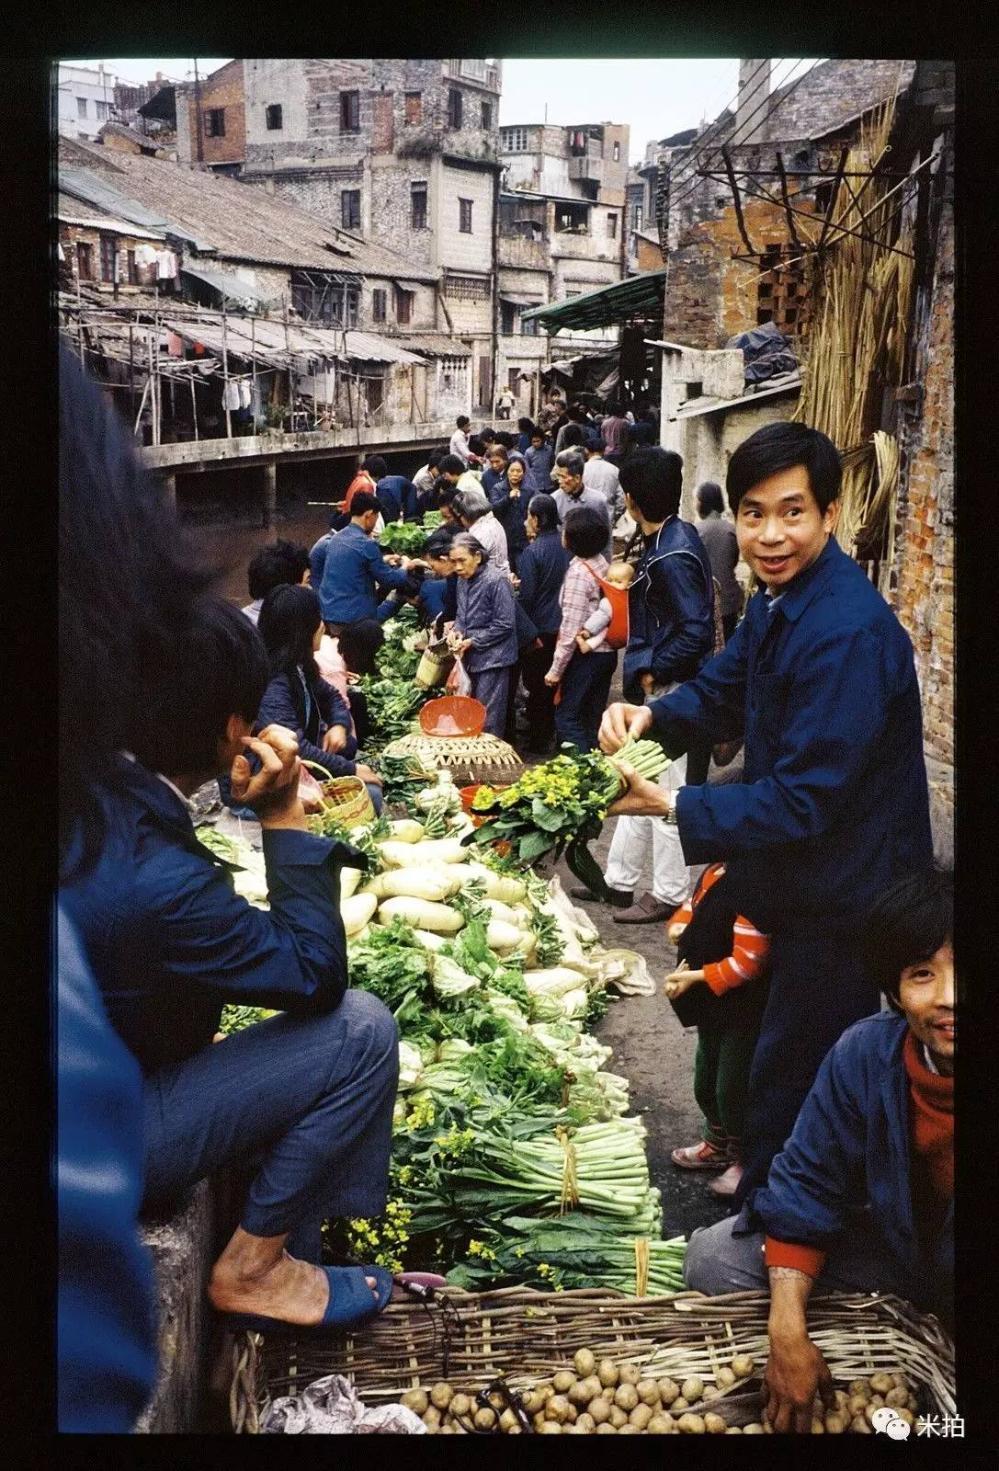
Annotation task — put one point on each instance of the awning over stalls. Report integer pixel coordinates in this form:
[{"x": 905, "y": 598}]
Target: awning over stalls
[
  {"x": 367, "y": 348},
  {"x": 516, "y": 298},
  {"x": 230, "y": 288},
  {"x": 434, "y": 345},
  {"x": 409, "y": 285},
  {"x": 637, "y": 296},
  {"x": 273, "y": 343}
]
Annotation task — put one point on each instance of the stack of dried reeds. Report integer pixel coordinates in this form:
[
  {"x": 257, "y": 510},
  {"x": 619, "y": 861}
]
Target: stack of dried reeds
[{"x": 862, "y": 289}]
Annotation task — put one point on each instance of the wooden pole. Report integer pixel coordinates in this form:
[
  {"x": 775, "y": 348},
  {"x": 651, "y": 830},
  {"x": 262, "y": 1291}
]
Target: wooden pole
[
  {"x": 225, "y": 376},
  {"x": 737, "y": 201},
  {"x": 287, "y": 348},
  {"x": 131, "y": 363},
  {"x": 194, "y": 407},
  {"x": 253, "y": 363}
]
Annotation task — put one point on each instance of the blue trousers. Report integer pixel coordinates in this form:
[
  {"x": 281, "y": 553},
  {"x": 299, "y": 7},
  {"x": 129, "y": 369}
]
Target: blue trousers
[
  {"x": 492, "y": 688},
  {"x": 585, "y": 686},
  {"x": 819, "y": 986},
  {"x": 304, "y": 1101}
]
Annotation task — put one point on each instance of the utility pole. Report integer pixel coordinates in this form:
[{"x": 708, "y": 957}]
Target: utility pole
[{"x": 199, "y": 149}]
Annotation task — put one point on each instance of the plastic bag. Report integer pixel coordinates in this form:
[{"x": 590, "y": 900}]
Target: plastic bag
[{"x": 459, "y": 681}]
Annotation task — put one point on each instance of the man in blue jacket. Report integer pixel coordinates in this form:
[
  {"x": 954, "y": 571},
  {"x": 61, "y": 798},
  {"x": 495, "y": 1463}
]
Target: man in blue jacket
[
  {"x": 819, "y": 681},
  {"x": 398, "y": 498},
  {"x": 356, "y": 570},
  {"x": 861, "y": 1198},
  {"x": 304, "y": 1098},
  {"x": 670, "y": 635}
]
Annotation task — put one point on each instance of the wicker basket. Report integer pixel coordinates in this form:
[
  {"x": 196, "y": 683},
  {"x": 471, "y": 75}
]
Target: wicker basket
[
  {"x": 435, "y": 665},
  {"x": 527, "y": 1336},
  {"x": 470, "y": 759},
  {"x": 350, "y": 800}
]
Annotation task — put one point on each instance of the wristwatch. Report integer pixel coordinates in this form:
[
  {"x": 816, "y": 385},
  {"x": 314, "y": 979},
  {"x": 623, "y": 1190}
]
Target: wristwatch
[{"x": 669, "y": 816}]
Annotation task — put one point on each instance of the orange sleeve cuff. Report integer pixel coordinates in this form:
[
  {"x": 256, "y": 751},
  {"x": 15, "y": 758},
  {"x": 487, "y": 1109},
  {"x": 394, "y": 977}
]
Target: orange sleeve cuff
[
  {"x": 715, "y": 978},
  {"x": 807, "y": 1259}
]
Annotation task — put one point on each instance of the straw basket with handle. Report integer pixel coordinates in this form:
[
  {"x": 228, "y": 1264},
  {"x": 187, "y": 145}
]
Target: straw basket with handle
[
  {"x": 435, "y": 665},
  {"x": 348, "y": 800},
  {"x": 526, "y": 1336}
]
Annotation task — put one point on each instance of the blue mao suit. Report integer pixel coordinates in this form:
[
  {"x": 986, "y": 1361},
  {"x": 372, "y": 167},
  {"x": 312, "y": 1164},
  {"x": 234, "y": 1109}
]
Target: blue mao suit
[{"x": 833, "y": 807}]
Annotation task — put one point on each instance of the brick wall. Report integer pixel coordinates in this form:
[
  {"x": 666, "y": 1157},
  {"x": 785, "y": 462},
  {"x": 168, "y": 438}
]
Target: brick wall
[
  {"x": 223, "y": 89},
  {"x": 924, "y": 598}
]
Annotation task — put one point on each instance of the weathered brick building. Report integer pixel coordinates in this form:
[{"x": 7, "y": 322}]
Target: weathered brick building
[
  {"x": 211, "y": 119},
  {"x": 402, "y": 151}
]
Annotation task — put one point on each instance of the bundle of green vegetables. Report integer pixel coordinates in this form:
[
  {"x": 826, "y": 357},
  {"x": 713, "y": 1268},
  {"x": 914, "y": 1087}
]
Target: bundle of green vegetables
[
  {"x": 408, "y": 538},
  {"x": 562, "y": 804}
]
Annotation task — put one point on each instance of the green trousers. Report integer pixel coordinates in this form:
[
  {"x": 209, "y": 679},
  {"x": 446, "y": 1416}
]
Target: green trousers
[{"x": 721, "y": 1081}]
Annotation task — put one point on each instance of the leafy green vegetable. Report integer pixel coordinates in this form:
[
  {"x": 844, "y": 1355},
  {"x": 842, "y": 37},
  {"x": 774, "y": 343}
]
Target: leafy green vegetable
[
  {"x": 219, "y": 844},
  {"x": 235, "y": 1018},
  {"x": 405, "y": 537}
]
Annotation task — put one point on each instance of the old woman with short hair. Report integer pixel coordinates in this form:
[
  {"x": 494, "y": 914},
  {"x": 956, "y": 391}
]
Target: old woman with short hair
[{"x": 486, "y": 626}]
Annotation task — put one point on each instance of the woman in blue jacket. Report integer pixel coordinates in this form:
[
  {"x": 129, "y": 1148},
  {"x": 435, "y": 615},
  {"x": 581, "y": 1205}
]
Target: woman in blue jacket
[
  {"x": 297, "y": 697},
  {"x": 486, "y": 622},
  {"x": 541, "y": 568}
]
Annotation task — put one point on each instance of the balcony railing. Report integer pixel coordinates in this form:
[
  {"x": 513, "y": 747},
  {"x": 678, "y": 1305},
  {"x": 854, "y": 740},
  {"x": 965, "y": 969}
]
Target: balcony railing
[{"x": 587, "y": 166}]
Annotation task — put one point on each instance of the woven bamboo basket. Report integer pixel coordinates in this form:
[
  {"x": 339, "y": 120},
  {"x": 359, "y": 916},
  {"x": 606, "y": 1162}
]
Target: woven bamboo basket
[
  {"x": 470, "y": 759},
  {"x": 526, "y": 1336},
  {"x": 350, "y": 800},
  {"x": 435, "y": 665}
]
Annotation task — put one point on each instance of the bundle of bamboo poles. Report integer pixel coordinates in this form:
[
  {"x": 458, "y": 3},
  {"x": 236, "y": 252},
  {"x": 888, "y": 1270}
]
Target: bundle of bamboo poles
[{"x": 862, "y": 290}]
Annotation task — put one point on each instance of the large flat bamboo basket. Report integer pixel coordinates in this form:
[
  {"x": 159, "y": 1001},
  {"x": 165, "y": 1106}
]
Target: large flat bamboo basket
[
  {"x": 527, "y": 1336},
  {"x": 470, "y": 759}
]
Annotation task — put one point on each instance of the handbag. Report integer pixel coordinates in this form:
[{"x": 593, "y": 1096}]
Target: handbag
[{"x": 706, "y": 940}]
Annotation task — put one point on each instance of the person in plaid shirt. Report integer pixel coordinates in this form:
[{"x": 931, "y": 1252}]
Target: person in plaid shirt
[{"x": 584, "y": 679}]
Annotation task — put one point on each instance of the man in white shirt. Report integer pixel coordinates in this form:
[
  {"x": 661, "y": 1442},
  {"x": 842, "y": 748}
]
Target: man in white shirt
[
  {"x": 459, "y": 439},
  {"x": 599, "y": 474}
]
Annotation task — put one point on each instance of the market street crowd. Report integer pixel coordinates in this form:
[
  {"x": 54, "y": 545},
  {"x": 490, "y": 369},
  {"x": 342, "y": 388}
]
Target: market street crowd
[{"x": 815, "y": 948}]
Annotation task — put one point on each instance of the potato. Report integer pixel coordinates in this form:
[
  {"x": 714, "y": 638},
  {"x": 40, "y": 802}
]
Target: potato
[
  {"x": 629, "y": 1429},
  {"x": 557, "y": 1408},
  {"x": 668, "y": 1390},
  {"x": 546, "y": 1391},
  {"x": 514, "y": 1430},
  {"x": 857, "y": 1386},
  {"x": 533, "y": 1402},
  {"x": 660, "y": 1425},
  {"x": 734, "y": 1430},
  {"x": 755, "y": 1428},
  {"x": 691, "y": 1424},
  {"x": 896, "y": 1397},
  {"x": 572, "y": 1430},
  {"x": 538, "y": 1420},
  {"x": 617, "y": 1417},
  {"x": 584, "y": 1362},
  {"x": 842, "y": 1398},
  {"x": 835, "y": 1424},
  {"x": 586, "y": 1423},
  {"x": 484, "y": 1418},
  {"x": 416, "y": 1400},
  {"x": 743, "y": 1366},
  {"x": 600, "y": 1409},
  {"x": 563, "y": 1381},
  {"x": 640, "y": 1416},
  {"x": 818, "y": 1426},
  {"x": 549, "y": 1427},
  {"x": 607, "y": 1373},
  {"x": 768, "y": 1429},
  {"x": 870, "y": 1412},
  {"x": 679, "y": 1405},
  {"x": 446, "y": 1430},
  {"x": 906, "y": 1414},
  {"x": 725, "y": 1377},
  {"x": 461, "y": 1404},
  {"x": 692, "y": 1389},
  {"x": 900, "y": 1381},
  {"x": 606, "y": 1429},
  {"x": 431, "y": 1417},
  {"x": 859, "y": 1426},
  {"x": 629, "y": 1374},
  {"x": 881, "y": 1383},
  {"x": 857, "y": 1404},
  {"x": 714, "y": 1424},
  {"x": 441, "y": 1395},
  {"x": 648, "y": 1391},
  {"x": 626, "y": 1395},
  {"x": 498, "y": 1401},
  {"x": 507, "y": 1419},
  {"x": 579, "y": 1394},
  {"x": 877, "y": 1401}
]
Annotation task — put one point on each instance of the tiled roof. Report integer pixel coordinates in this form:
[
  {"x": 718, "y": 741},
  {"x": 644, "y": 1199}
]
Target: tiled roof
[
  {"x": 122, "y": 130},
  {"x": 243, "y": 221}
]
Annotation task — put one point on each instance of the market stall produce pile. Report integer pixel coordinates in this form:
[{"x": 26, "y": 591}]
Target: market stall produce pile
[{"x": 514, "y": 1159}]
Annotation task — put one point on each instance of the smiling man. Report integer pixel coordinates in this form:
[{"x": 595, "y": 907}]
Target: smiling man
[
  {"x": 819, "y": 681},
  {"x": 861, "y": 1197}
]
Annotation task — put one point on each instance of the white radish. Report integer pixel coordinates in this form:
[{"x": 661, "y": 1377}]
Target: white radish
[
  {"x": 429, "y": 940},
  {"x": 406, "y": 830},
  {"x": 498, "y": 885},
  {"x": 503, "y": 936},
  {"x": 435, "y": 884},
  {"x": 421, "y": 914},
  {"x": 356, "y": 911},
  {"x": 499, "y": 910},
  {"x": 350, "y": 879},
  {"x": 404, "y": 855}
]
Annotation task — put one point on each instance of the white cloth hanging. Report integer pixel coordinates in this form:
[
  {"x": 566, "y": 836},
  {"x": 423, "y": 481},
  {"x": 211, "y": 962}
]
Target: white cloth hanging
[
  {"x": 244, "y": 393},
  {"x": 230, "y": 395},
  {"x": 145, "y": 255}
]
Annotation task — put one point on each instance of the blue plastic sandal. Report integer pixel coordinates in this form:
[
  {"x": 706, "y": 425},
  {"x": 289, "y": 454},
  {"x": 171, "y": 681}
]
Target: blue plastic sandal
[{"x": 351, "y": 1303}]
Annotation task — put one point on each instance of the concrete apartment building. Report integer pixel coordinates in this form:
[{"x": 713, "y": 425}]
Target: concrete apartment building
[
  {"x": 399, "y": 151},
  {"x": 562, "y": 234},
  {"x": 85, "y": 100}
]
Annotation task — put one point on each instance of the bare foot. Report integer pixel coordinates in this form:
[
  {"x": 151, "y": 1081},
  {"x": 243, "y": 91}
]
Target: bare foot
[{"x": 284, "y": 1288}]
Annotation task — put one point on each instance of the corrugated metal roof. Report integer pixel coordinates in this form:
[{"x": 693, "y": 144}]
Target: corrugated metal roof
[
  {"x": 434, "y": 345},
  {"x": 228, "y": 287},
  {"x": 85, "y": 185},
  {"x": 367, "y": 348},
  {"x": 271, "y": 342},
  {"x": 608, "y": 305}
]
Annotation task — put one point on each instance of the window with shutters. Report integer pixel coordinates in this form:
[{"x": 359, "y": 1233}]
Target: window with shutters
[
  {"x": 465, "y": 216},
  {"x": 487, "y": 115},
  {"x": 454, "y": 107},
  {"x": 107, "y": 257},
  {"x": 418, "y": 206},
  {"x": 274, "y": 118},
  {"x": 350, "y": 209},
  {"x": 81, "y": 107},
  {"x": 528, "y": 326},
  {"x": 403, "y": 306},
  {"x": 508, "y": 318},
  {"x": 379, "y": 301},
  {"x": 414, "y": 109},
  {"x": 85, "y": 260},
  {"x": 103, "y": 110},
  {"x": 215, "y": 122},
  {"x": 350, "y": 112},
  {"x": 612, "y": 227}
]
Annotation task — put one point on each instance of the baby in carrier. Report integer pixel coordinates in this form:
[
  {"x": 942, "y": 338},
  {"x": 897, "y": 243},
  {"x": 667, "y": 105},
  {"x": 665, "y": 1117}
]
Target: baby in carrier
[{"x": 593, "y": 634}]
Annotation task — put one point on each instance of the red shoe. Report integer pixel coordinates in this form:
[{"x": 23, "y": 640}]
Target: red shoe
[{"x": 703, "y": 1156}]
